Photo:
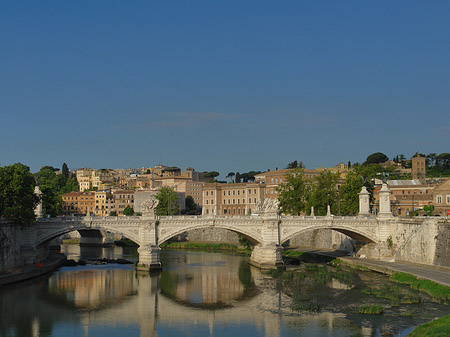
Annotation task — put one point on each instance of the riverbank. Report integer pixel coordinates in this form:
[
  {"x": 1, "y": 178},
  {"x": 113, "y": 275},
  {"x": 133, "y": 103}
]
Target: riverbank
[
  {"x": 223, "y": 247},
  {"x": 31, "y": 271}
]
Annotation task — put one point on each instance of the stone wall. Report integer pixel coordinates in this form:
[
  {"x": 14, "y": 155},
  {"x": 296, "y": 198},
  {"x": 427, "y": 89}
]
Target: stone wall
[
  {"x": 323, "y": 239},
  {"x": 210, "y": 235},
  {"x": 425, "y": 241},
  {"x": 9, "y": 246}
]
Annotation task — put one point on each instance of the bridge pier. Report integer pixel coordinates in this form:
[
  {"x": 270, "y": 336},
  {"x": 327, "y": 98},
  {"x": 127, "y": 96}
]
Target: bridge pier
[
  {"x": 267, "y": 256},
  {"x": 149, "y": 258}
]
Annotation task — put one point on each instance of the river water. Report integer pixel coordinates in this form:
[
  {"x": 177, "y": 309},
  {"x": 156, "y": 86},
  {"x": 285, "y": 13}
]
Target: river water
[{"x": 197, "y": 294}]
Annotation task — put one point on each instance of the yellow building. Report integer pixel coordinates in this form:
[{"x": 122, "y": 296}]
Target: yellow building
[{"x": 231, "y": 199}]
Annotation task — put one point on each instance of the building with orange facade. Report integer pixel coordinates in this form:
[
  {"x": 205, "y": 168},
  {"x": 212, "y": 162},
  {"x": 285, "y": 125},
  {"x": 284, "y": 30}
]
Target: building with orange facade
[{"x": 78, "y": 203}]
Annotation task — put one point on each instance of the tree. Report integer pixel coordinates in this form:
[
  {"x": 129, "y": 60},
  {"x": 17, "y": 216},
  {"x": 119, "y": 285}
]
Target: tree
[
  {"x": 17, "y": 198},
  {"x": 129, "y": 211},
  {"x": 376, "y": 158},
  {"x": 212, "y": 176},
  {"x": 324, "y": 193},
  {"x": 64, "y": 173},
  {"x": 191, "y": 207},
  {"x": 168, "y": 204},
  {"x": 349, "y": 193},
  {"x": 292, "y": 165},
  {"x": 50, "y": 185},
  {"x": 113, "y": 213},
  {"x": 294, "y": 193},
  {"x": 429, "y": 209},
  {"x": 237, "y": 178},
  {"x": 231, "y": 175}
]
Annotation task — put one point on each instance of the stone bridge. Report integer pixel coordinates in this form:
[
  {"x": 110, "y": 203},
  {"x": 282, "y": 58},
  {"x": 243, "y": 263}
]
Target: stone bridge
[{"x": 266, "y": 229}]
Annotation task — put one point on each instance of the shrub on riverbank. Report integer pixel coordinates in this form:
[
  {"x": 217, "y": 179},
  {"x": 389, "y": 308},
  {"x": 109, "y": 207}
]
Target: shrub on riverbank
[
  {"x": 437, "y": 328},
  {"x": 370, "y": 309},
  {"x": 437, "y": 291}
]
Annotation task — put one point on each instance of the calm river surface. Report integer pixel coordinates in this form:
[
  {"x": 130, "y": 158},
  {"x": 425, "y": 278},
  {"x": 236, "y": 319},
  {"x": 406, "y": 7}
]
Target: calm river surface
[{"x": 197, "y": 294}]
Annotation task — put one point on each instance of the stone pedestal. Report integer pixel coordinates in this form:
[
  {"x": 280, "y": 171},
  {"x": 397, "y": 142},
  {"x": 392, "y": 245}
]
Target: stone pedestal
[
  {"x": 385, "y": 202},
  {"x": 364, "y": 202},
  {"x": 267, "y": 256},
  {"x": 149, "y": 258},
  {"x": 38, "y": 210}
]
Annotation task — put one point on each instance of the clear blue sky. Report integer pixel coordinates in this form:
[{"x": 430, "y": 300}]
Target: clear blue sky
[{"x": 222, "y": 85}]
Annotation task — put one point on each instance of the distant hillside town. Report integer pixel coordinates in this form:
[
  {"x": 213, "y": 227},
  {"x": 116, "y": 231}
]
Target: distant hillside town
[{"x": 104, "y": 192}]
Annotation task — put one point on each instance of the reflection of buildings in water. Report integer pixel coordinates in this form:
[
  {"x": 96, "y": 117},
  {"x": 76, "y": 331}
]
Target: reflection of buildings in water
[
  {"x": 210, "y": 287},
  {"x": 74, "y": 252},
  {"x": 92, "y": 288}
]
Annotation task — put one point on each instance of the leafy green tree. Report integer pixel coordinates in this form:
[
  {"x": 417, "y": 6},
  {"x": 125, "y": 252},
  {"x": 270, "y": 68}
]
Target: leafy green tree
[
  {"x": 70, "y": 186},
  {"x": 294, "y": 193},
  {"x": 348, "y": 193},
  {"x": 376, "y": 158},
  {"x": 129, "y": 211},
  {"x": 429, "y": 209},
  {"x": 324, "y": 193},
  {"x": 113, "y": 213},
  {"x": 168, "y": 204},
  {"x": 50, "y": 185},
  {"x": 191, "y": 207},
  {"x": 17, "y": 198}
]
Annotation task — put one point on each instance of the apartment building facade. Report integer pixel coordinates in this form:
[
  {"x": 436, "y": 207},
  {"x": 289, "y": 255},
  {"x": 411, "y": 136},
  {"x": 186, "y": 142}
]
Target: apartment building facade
[
  {"x": 78, "y": 203},
  {"x": 231, "y": 199}
]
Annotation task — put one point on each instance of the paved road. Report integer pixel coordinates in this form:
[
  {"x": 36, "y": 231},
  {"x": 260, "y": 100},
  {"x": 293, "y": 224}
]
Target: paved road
[{"x": 437, "y": 274}]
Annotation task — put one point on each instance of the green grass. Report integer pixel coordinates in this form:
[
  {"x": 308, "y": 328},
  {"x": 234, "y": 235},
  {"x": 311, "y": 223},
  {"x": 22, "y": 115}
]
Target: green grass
[
  {"x": 292, "y": 253},
  {"x": 437, "y": 328},
  {"x": 375, "y": 309},
  {"x": 394, "y": 294},
  {"x": 437, "y": 291},
  {"x": 71, "y": 241},
  {"x": 205, "y": 246}
]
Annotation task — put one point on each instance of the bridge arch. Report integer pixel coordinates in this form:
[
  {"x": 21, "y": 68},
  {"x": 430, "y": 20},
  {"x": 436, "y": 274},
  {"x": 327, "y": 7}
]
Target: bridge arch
[
  {"x": 357, "y": 234},
  {"x": 166, "y": 231},
  {"x": 48, "y": 234}
]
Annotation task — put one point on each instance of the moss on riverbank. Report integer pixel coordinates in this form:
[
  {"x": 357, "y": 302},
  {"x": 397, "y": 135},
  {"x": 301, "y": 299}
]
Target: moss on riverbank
[
  {"x": 437, "y": 328},
  {"x": 438, "y": 292}
]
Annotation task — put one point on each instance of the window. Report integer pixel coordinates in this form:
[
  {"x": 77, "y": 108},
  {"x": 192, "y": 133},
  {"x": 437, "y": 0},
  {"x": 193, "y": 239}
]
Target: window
[
  {"x": 212, "y": 193},
  {"x": 448, "y": 199},
  {"x": 249, "y": 200},
  {"x": 206, "y": 193},
  {"x": 249, "y": 191},
  {"x": 234, "y": 201},
  {"x": 234, "y": 192},
  {"x": 439, "y": 199}
]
